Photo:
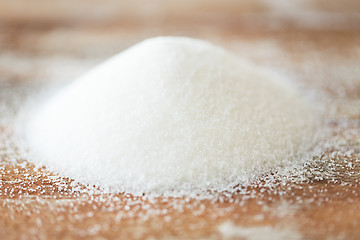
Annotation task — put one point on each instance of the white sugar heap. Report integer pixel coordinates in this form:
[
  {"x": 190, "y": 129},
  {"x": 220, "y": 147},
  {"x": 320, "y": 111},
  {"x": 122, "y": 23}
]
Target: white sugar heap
[{"x": 171, "y": 115}]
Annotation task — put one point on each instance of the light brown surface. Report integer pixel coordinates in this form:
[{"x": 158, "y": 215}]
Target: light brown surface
[{"x": 316, "y": 43}]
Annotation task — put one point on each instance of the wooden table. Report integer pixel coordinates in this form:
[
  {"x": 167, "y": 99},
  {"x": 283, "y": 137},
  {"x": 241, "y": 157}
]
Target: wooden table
[{"x": 314, "y": 43}]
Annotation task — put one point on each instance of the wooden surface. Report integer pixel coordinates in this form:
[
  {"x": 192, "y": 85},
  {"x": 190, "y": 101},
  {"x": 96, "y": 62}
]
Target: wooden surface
[{"x": 315, "y": 43}]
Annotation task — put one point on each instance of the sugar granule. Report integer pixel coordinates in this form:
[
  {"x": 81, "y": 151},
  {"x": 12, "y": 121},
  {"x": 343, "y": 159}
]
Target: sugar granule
[{"x": 172, "y": 116}]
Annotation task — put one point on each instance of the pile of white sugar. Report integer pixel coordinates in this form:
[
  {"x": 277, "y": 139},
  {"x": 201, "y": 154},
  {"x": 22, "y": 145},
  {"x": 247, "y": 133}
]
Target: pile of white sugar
[{"x": 171, "y": 115}]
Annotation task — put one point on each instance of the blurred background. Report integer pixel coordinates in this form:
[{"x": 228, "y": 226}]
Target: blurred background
[{"x": 315, "y": 41}]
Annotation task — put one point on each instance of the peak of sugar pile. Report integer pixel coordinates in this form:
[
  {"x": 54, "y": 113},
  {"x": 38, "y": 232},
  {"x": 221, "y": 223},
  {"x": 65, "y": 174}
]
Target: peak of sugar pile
[{"x": 171, "y": 115}]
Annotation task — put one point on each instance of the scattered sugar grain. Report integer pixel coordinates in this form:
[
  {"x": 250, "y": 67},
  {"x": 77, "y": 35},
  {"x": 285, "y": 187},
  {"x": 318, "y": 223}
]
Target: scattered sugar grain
[{"x": 228, "y": 230}]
